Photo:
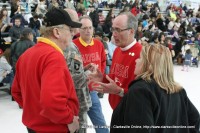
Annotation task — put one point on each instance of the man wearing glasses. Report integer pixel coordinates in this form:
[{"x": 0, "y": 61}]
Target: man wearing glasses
[
  {"x": 92, "y": 51},
  {"x": 42, "y": 85},
  {"x": 123, "y": 62}
]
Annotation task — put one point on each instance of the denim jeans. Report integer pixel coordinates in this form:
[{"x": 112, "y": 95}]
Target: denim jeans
[
  {"x": 107, "y": 69},
  {"x": 96, "y": 115},
  {"x": 9, "y": 78}
]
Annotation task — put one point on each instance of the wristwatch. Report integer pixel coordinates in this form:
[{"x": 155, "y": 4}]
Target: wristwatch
[{"x": 121, "y": 93}]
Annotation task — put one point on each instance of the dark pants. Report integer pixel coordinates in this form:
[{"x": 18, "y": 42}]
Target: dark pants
[{"x": 30, "y": 130}]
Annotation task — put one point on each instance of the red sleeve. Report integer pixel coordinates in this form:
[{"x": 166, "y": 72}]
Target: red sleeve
[{"x": 170, "y": 46}]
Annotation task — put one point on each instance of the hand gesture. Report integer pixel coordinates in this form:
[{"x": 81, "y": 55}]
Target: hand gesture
[
  {"x": 95, "y": 75},
  {"x": 111, "y": 87},
  {"x": 74, "y": 126}
]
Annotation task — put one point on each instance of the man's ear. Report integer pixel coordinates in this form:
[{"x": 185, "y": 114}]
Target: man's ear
[{"x": 56, "y": 33}]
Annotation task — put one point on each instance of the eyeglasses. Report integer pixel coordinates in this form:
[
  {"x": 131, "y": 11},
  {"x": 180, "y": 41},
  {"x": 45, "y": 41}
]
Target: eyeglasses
[
  {"x": 87, "y": 28},
  {"x": 118, "y": 30}
]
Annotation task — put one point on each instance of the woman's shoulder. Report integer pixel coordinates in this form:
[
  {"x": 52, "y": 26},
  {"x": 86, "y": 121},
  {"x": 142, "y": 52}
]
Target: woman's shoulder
[
  {"x": 139, "y": 84},
  {"x": 143, "y": 85}
]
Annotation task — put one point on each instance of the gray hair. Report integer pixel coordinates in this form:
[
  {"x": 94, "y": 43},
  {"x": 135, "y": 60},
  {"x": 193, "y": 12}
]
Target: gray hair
[
  {"x": 85, "y": 17},
  {"x": 132, "y": 21},
  {"x": 47, "y": 31}
]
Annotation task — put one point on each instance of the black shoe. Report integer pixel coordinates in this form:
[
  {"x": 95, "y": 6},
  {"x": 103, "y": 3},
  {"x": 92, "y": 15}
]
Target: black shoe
[
  {"x": 12, "y": 99},
  {"x": 100, "y": 95},
  {"x": 1, "y": 84}
]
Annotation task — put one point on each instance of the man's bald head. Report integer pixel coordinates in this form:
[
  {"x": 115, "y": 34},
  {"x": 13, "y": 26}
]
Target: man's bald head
[{"x": 73, "y": 14}]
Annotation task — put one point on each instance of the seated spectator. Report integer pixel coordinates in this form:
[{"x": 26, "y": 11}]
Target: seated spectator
[
  {"x": 155, "y": 98},
  {"x": 160, "y": 23},
  {"x": 53, "y": 4},
  {"x": 35, "y": 26},
  {"x": 171, "y": 24},
  {"x": 149, "y": 33},
  {"x": 161, "y": 38},
  {"x": 41, "y": 8},
  {"x": 15, "y": 8},
  {"x": 108, "y": 24},
  {"x": 134, "y": 10},
  {"x": 101, "y": 17},
  {"x": 19, "y": 16},
  {"x": 139, "y": 33},
  {"x": 16, "y": 30},
  {"x": 6, "y": 75},
  {"x": 4, "y": 20},
  {"x": 145, "y": 21},
  {"x": 69, "y": 4},
  {"x": 19, "y": 47}
]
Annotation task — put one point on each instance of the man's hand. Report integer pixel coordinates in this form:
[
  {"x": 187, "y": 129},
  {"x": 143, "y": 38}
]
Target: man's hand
[
  {"x": 74, "y": 126},
  {"x": 95, "y": 75},
  {"x": 91, "y": 67},
  {"x": 111, "y": 87},
  {"x": 4, "y": 74}
]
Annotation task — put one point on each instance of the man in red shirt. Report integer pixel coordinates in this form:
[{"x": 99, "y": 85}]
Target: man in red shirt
[
  {"x": 92, "y": 51},
  {"x": 42, "y": 85},
  {"x": 123, "y": 62}
]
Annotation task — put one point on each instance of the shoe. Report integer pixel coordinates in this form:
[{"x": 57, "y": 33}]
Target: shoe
[
  {"x": 100, "y": 95},
  {"x": 12, "y": 99},
  {"x": 1, "y": 84}
]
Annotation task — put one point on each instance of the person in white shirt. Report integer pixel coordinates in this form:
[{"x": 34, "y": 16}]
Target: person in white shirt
[{"x": 6, "y": 74}]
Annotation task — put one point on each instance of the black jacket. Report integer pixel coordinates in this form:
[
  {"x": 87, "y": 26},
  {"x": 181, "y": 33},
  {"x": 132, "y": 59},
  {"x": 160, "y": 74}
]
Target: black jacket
[
  {"x": 34, "y": 24},
  {"x": 17, "y": 49},
  {"x": 15, "y": 32},
  {"x": 147, "y": 108},
  {"x": 95, "y": 18}
]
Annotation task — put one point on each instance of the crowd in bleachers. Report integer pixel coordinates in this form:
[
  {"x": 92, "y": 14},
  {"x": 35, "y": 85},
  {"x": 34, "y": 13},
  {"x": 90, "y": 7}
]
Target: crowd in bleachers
[{"x": 178, "y": 28}]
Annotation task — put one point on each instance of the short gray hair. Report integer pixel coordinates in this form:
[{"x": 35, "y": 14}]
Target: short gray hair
[
  {"x": 132, "y": 21},
  {"x": 85, "y": 17},
  {"x": 47, "y": 31}
]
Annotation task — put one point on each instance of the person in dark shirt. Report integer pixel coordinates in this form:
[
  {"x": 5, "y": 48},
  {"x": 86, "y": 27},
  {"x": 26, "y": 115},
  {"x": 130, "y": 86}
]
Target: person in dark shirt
[
  {"x": 35, "y": 25},
  {"x": 19, "y": 47}
]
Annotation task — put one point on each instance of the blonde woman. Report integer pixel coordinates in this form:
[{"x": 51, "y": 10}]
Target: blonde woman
[
  {"x": 155, "y": 103},
  {"x": 160, "y": 22}
]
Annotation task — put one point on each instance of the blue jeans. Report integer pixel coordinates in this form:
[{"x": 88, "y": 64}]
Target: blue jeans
[
  {"x": 9, "y": 78},
  {"x": 107, "y": 70},
  {"x": 96, "y": 115}
]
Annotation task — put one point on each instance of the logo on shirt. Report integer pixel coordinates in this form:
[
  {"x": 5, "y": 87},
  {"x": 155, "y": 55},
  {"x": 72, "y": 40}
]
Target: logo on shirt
[
  {"x": 120, "y": 70},
  {"x": 91, "y": 57}
]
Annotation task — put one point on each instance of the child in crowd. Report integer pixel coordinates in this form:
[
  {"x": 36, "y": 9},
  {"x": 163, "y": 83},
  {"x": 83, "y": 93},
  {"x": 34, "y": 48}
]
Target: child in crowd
[{"x": 188, "y": 59}]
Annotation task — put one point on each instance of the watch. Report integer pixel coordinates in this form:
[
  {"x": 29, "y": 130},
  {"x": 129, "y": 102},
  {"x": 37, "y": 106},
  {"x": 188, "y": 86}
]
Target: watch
[{"x": 121, "y": 93}]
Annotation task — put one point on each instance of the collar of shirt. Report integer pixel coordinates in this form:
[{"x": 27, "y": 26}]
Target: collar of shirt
[
  {"x": 86, "y": 44},
  {"x": 129, "y": 46},
  {"x": 49, "y": 42}
]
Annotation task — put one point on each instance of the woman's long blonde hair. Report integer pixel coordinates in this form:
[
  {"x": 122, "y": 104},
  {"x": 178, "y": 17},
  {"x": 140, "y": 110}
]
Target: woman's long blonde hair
[{"x": 157, "y": 64}]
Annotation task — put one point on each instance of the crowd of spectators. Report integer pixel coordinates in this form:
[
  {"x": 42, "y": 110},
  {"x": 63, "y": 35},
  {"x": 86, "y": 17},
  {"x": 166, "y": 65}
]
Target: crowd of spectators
[{"x": 178, "y": 28}]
